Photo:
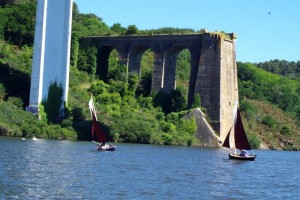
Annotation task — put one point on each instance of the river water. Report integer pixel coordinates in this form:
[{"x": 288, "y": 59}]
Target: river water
[{"x": 50, "y": 169}]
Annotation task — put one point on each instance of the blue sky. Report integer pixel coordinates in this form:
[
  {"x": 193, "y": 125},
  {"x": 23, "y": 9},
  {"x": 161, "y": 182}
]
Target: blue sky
[{"x": 266, "y": 29}]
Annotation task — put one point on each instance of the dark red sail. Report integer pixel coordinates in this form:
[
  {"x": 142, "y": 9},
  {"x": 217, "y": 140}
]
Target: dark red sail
[
  {"x": 97, "y": 133},
  {"x": 226, "y": 142},
  {"x": 240, "y": 138}
]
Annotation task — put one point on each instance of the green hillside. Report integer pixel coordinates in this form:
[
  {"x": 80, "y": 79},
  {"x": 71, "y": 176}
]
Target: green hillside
[{"x": 271, "y": 106}]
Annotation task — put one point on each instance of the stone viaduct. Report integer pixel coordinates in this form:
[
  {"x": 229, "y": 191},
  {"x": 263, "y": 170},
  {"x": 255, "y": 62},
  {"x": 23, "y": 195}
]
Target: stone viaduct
[
  {"x": 213, "y": 67},
  {"x": 213, "y": 64}
]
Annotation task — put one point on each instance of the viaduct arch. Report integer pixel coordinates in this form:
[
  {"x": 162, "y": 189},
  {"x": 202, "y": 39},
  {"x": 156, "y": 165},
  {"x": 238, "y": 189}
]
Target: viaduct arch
[
  {"x": 213, "y": 61},
  {"x": 213, "y": 67}
]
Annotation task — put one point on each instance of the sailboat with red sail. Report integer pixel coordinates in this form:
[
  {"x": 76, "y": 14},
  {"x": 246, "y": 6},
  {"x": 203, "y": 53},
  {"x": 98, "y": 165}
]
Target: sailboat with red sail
[
  {"x": 240, "y": 141},
  {"x": 98, "y": 135}
]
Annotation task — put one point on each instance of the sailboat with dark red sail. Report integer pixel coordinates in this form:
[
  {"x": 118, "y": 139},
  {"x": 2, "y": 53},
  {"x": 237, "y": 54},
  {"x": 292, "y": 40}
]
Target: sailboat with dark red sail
[
  {"x": 237, "y": 138},
  {"x": 98, "y": 135}
]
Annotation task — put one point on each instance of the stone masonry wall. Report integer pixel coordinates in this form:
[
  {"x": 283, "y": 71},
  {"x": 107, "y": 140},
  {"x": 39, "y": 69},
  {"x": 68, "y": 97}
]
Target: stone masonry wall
[{"x": 213, "y": 68}]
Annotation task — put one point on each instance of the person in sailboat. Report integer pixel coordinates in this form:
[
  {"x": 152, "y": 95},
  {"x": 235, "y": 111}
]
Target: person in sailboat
[
  {"x": 244, "y": 153},
  {"x": 104, "y": 146},
  {"x": 101, "y": 146}
]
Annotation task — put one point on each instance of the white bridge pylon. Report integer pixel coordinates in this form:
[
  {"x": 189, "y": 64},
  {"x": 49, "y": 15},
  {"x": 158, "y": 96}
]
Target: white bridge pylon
[{"x": 51, "y": 54}]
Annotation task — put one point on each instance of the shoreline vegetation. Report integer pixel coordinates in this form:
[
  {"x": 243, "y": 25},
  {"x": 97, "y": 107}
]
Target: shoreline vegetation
[{"x": 269, "y": 92}]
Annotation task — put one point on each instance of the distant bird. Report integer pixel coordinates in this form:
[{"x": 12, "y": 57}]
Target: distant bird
[
  {"x": 34, "y": 138},
  {"x": 23, "y": 138},
  {"x": 269, "y": 13}
]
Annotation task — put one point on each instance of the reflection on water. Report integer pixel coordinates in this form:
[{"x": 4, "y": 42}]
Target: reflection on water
[{"x": 49, "y": 169}]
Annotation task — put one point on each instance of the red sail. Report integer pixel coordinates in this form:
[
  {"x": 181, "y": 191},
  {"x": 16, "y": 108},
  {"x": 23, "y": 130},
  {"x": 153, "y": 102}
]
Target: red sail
[
  {"x": 97, "y": 132},
  {"x": 241, "y": 141},
  {"x": 226, "y": 142}
]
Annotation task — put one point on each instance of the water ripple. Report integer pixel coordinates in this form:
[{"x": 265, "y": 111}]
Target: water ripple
[{"x": 47, "y": 169}]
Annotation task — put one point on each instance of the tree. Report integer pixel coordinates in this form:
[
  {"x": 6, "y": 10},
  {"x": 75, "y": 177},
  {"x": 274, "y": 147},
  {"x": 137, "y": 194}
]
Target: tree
[
  {"x": 178, "y": 101},
  {"x": 75, "y": 12},
  {"x": 289, "y": 102},
  {"x": 4, "y": 3},
  {"x": 87, "y": 60},
  {"x": 18, "y": 22},
  {"x": 89, "y": 25},
  {"x": 281, "y": 67},
  {"x": 2, "y": 92},
  {"x": 144, "y": 87},
  {"x": 74, "y": 50},
  {"x": 170, "y": 102},
  {"x": 117, "y": 28},
  {"x": 132, "y": 83},
  {"x": 53, "y": 103},
  {"x": 131, "y": 30},
  {"x": 197, "y": 101}
]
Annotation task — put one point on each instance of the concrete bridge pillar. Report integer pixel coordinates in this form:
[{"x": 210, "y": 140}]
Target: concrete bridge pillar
[
  {"x": 217, "y": 81},
  {"x": 195, "y": 56},
  {"x": 170, "y": 72},
  {"x": 51, "y": 56},
  {"x": 123, "y": 57},
  {"x": 229, "y": 86},
  {"x": 208, "y": 79},
  {"x": 135, "y": 58},
  {"x": 158, "y": 71},
  {"x": 124, "y": 60}
]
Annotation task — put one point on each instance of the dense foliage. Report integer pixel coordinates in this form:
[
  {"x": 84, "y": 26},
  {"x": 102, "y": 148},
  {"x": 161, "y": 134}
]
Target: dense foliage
[
  {"x": 282, "y": 67},
  {"x": 263, "y": 96},
  {"x": 16, "y": 24},
  {"x": 14, "y": 121},
  {"x": 136, "y": 119},
  {"x": 258, "y": 84},
  {"x": 52, "y": 105}
]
